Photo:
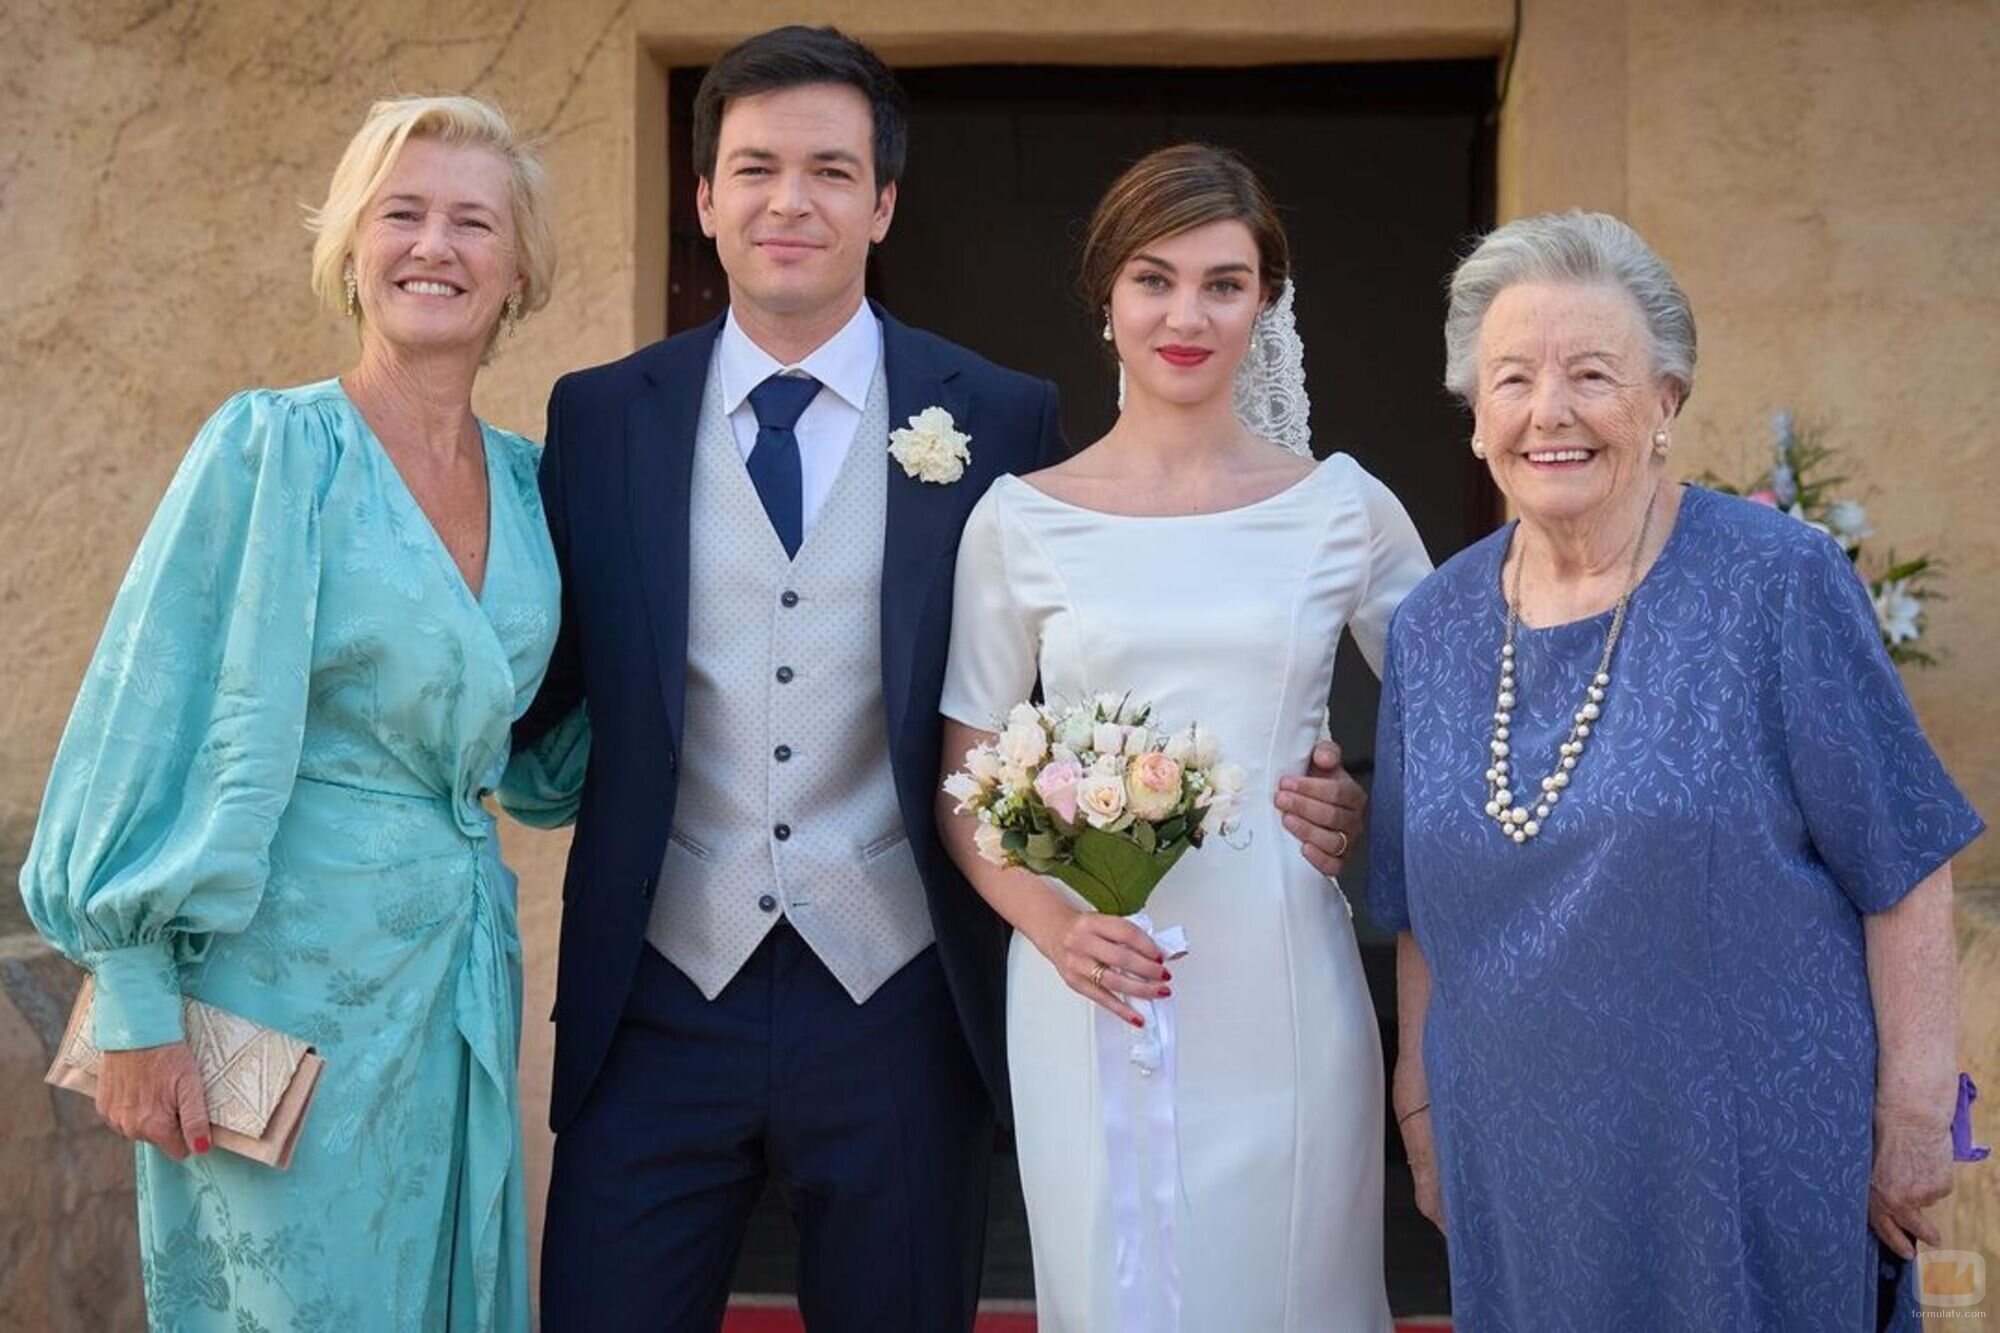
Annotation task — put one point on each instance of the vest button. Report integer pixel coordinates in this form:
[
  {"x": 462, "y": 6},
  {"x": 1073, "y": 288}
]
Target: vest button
[
  {"x": 782, "y": 832},
  {"x": 782, "y": 753},
  {"x": 767, "y": 903},
  {"x": 789, "y": 598},
  {"x": 784, "y": 675}
]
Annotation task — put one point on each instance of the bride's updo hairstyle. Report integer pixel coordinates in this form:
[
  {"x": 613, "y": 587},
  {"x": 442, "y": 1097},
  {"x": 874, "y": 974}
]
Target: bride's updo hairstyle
[{"x": 1172, "y": 190}]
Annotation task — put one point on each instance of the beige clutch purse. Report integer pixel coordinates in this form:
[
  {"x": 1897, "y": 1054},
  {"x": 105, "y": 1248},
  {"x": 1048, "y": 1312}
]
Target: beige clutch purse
[{"x": 260, "y": 1083}]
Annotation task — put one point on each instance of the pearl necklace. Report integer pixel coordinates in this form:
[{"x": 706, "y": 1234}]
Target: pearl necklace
[{"x": 1518, "y": 821}]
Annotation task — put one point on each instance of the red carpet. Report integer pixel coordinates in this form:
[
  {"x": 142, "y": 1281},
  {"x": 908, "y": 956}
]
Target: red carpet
[{"x": 762, "y": 1318}]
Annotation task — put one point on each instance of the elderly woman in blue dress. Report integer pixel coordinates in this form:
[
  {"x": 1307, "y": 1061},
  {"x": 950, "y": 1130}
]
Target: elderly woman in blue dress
[
  {"x": 1667, "y": 849},
  {"x": 268, "y": 794}
]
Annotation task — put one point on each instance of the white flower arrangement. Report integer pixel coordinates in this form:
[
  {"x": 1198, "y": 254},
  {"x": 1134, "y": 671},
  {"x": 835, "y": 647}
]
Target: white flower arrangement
[{"x": 931, "y": 448}]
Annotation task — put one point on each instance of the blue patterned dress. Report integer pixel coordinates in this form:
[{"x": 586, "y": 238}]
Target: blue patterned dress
[
  {"x": 1650, "y": 1043},
  {"x": 268, "y": 797}
]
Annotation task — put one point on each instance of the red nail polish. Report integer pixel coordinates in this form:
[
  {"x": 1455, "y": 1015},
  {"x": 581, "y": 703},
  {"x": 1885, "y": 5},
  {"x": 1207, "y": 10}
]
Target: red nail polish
[
  {"x": 201, "y": 1145},
  {"x": 1166, "y": 975},
  {"x": 1165, "y": 993},
  {"x": 1138, "y": 1022}
]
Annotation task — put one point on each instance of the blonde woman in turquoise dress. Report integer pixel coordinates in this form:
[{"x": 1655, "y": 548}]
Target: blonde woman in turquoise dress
[{"x": 268, "y": 796}]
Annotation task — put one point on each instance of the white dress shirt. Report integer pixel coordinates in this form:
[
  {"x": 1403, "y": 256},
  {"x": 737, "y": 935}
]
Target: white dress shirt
[{"x": 844, "y": 365}]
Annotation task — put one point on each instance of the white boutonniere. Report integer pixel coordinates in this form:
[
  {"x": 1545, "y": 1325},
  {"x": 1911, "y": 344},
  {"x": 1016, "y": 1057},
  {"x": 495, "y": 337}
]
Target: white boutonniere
[{"x": 931, "y": 447}]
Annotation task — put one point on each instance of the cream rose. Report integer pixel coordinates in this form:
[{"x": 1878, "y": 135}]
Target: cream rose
[
  {"x": 1107, "y": 738},
  {"x": 986, "y": 841},
  {"x": 962, "y": 787},
  {"x": 983, "y": 763},
  {"x": 1023, "y": 747},
  {"x": 1152, "y": 786},
  {"x": 1024, "y": 715},
  {"x": 1101, "y": 798}
]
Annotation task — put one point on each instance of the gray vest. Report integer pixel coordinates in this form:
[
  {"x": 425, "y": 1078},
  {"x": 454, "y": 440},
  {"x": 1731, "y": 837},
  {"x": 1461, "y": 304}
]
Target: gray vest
[{"x": 787, "y": 803}]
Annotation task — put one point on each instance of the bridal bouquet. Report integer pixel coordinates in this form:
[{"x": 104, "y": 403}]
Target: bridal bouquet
[{"x": 1096, "y": 796}]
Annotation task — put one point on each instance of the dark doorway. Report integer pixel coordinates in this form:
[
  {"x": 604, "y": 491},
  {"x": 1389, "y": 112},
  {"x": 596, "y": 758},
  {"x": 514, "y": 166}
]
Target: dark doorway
[{"x": 1383, "y": 172}]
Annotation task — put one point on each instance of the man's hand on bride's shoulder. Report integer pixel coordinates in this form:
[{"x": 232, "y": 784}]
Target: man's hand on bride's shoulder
[{"x": 1323, "y": 809}]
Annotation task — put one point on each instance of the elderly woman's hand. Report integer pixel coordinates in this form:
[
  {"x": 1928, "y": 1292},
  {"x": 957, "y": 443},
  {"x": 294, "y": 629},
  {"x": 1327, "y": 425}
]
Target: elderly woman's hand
[
  {"x": 1422, "y": 1151},
  {"x": 1912, "y": 1172},
  {"x": 154, "y": 1095}
]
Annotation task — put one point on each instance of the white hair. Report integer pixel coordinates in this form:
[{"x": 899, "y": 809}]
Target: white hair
[{"x": 1574, "y": 247}]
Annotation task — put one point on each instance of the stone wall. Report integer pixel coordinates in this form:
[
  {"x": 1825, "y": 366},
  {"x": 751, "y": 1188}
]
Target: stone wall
[{"x": 1818, "y": 172}]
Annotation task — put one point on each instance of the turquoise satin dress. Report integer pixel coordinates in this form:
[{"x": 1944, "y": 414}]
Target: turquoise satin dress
[{"x": 269, "y": 797}]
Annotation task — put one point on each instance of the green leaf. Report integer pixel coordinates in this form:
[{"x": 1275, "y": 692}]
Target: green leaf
[
  {"x": 1013, "y": 840},
  {"x": 1040, "y": 847},
  {"x": 1142, "y": 833}
]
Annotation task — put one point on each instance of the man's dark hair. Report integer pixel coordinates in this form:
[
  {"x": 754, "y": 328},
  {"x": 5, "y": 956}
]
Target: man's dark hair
[{"x": 792, "y": 57}]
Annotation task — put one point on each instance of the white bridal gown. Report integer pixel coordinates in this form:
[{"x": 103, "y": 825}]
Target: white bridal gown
[{"x": 1230, "y": 619}]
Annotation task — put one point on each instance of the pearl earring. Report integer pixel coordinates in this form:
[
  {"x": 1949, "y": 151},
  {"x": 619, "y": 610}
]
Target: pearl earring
[
  {"x": 353, "y": 291},
  {"x": 1107, "y": 326},
  {"x": 1660, "y": 443},
  {"x": 1478, "y": 447}
]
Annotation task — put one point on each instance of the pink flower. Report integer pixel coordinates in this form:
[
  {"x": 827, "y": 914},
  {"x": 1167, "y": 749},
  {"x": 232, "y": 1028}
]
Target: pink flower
[
  {"x": 1056, "y": 785},
  {"x": 1152, "y": 786},
  {"x": 1769, "y": 498}
]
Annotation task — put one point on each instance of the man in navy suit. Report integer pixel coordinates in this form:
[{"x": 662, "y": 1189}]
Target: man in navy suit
[{"x": 769, "y": 967}]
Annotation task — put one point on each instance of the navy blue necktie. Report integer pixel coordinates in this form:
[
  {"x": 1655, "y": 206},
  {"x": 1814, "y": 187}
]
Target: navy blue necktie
[{"x": 774, "y": 459}]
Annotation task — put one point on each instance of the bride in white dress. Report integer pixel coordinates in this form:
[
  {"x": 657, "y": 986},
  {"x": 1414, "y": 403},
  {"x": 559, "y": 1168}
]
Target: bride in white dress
[{"x": 1211, "y": 571}]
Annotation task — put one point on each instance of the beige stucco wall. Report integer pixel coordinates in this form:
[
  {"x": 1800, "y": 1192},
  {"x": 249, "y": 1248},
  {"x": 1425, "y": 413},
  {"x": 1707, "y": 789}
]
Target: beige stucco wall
[{"x": 1820, "y": 175}]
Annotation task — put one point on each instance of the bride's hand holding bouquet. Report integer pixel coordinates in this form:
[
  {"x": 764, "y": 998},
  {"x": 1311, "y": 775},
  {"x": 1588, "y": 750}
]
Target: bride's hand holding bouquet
[{"x": 1093, "y": 796}]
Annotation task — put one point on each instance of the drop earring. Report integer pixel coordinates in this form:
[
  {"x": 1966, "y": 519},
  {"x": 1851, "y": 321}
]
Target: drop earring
[
  {"x": 353, "y": 290},
  {"x": 511, "y": 313},
  {"x": 1107, "y": 326},
  {"x": 1478, "y": 447}
]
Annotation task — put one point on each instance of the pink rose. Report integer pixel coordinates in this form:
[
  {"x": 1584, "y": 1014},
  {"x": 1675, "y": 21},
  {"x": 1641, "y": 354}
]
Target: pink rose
[
  {"x": 1152, "y": 786},
  {"x": 1763, "y": 498},
  {"x": 1056, "y": 785}
]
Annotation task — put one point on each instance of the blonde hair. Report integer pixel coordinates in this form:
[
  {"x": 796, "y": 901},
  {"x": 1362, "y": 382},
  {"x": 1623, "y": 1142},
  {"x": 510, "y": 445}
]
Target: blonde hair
[{"x": 459, "y": 122}]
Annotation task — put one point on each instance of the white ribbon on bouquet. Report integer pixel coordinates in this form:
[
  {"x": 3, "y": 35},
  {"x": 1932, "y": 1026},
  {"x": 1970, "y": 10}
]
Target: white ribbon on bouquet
[{"x": 1138, "y": 1071}]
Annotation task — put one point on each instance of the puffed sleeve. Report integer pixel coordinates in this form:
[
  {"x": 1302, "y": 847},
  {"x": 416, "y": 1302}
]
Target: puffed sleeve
[
  {"x": 183, "y": 745},
  {"x": 1881, "y": 811},
  {"x": 1388, "y": 889},
  {"x": 994, "y": 655},
  {"x": 1397, "y": 563}
]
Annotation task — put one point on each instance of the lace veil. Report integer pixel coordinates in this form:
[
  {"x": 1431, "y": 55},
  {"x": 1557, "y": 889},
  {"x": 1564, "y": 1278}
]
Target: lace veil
[{"x": 1270, "y": 391}]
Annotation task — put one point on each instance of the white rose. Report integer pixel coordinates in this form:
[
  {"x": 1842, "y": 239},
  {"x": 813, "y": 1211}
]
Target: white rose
[
  {"x": 986, "y": 841},
  {"x": 1101, "y": 797},
  {"x": 1180, "y": 747},
  {"x": 1062, "y": 754},
  {"x": 1137, "y": 739},
  {"x": 1014, "y": 778},
  {"x": 962, "y": 787},
  {"x": 1024, "y": 715},
  {"x": 983, "y": 762},
  {"x": 1023, "y": 747},
  {"x": 1076, "y": 729},
  {"x": 1108, "y": 764},
  {"x": 1228, "y": 779},
  {"x": 1107, "y": 738},
  {"x": 1107, "y": 705}
]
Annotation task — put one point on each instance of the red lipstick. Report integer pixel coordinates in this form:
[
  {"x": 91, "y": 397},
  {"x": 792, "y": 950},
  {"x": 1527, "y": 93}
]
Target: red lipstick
[{"x": 1185, "y": 357}]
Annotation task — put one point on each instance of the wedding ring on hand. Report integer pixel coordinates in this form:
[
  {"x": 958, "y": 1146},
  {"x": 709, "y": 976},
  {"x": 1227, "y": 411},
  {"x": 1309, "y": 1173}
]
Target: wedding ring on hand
[
  {"x": 1097, "y": 974},
  {"x": 1345, "y": 842}
]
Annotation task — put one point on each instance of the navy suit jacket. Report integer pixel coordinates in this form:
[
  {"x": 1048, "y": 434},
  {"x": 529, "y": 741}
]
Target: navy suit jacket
[{"x": 615, "y": 477}]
